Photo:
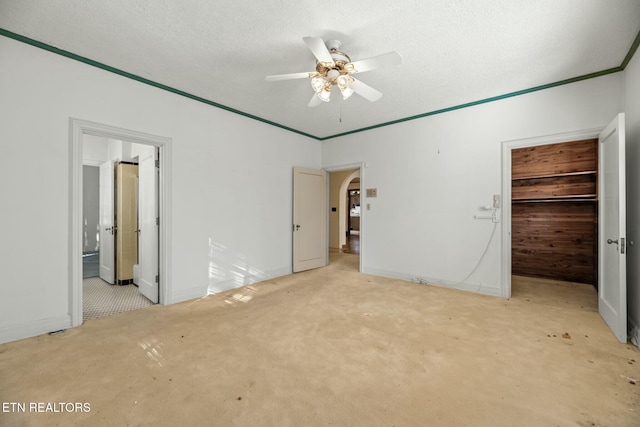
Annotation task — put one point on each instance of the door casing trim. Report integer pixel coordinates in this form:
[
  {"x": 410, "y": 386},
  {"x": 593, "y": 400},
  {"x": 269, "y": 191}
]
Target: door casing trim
[
  {"x": 507, "y": 147},
  {"x": 77, "y": 129}
]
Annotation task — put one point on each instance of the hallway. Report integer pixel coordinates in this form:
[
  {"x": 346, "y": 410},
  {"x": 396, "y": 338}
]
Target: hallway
[{"x": 353, "y": 243}]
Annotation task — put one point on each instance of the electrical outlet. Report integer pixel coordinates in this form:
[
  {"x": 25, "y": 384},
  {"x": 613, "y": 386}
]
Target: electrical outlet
[{"x": 496, "y": 201}]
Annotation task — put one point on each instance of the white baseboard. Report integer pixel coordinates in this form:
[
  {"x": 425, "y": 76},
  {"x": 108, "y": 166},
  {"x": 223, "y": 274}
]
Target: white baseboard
[
  {"x": 33, "y": 328},
  {"x": 186, "y": 294},
  {"x": 225, "y": 285},
  {"x": 470, "y": 287}
]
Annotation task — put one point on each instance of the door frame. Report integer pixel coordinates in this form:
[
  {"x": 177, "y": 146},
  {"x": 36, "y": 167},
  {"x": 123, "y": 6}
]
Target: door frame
[
  {"x": 339, "y": 168},
  {"x": 507, "y": 148},
  {"x": 77, "y": 129}
]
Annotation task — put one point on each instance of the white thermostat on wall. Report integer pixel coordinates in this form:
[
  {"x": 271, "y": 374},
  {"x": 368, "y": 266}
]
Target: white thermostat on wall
[{"x": 372, "y": 192}]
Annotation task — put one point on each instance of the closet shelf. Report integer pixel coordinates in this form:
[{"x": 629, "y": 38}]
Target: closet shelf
[
  {"x": 573, "y": 198},
  {"x": 555, "y": 175}
]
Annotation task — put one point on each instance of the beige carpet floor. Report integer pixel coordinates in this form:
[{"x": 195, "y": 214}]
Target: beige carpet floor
[{"x": 333, "y": 347}]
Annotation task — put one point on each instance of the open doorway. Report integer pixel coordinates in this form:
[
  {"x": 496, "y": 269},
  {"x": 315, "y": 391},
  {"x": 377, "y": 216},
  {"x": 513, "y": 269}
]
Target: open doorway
[
  {"x": 119, "y": 192},
  {"x": 345, "y": 216},
  {"x": 554, "y": 223},
  {"x": 147, "y": 158},
  {"x": 602, "y": 187},
  {"x": 352, "y": 245}
]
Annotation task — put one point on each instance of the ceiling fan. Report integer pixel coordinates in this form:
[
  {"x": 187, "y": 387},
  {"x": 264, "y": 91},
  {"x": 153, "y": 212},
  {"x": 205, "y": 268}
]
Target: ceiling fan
[{"x": 334, "y": 68}]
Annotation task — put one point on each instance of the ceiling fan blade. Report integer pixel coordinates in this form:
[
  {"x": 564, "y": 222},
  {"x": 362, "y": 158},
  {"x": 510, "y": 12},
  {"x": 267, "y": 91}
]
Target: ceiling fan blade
[
  {"x": 319, "y": 49},
  {"x": 314, "y": 101},
  {"x": 384, "y": 60},
  {"x": 287, "y": 76},
  {"x": 365, "y": 91}
]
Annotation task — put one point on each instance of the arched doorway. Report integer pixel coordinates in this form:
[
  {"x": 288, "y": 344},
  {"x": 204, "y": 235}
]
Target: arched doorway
[{"x": 344, "y": 218}]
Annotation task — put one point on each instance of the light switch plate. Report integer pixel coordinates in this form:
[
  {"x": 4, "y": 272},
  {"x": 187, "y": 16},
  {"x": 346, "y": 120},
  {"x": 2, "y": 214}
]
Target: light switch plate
[{"x": 372, "y": 192}]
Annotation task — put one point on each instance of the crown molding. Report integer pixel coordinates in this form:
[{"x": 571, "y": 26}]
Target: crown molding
[{"x": 70, "y": 55}]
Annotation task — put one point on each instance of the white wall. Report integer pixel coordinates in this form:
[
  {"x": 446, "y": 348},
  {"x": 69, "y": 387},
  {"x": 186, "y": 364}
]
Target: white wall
[
  {"x": 632, "y": 110},
  {"x": 433, "y": 174},
  {"x": 95, "y": 150},
  {"x": 231, "y": 184}
]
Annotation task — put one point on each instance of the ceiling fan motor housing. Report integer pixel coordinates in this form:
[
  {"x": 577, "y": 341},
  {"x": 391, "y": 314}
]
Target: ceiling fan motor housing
[
  {"x": 333, "y": 44},
  {"x": 341, "y": 60}
]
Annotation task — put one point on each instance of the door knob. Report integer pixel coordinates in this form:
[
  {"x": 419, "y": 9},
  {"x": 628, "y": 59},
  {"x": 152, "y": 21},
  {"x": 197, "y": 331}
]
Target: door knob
[{"x": 623, "y": 244}]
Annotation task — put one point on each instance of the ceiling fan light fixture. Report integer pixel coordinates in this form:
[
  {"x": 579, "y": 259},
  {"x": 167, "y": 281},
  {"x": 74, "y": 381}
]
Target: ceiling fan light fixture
[
  {"x": 317, "y": 83},
  {"x": 346, "y": 92},
  {"x": 343, "y": 81},
  {"x": 333, "y": 74},
  {"x": 325, "y": 94}
]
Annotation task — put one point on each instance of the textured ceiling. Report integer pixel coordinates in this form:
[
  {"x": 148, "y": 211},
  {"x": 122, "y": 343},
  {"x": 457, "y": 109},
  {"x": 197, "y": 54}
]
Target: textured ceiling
[{"x": 454, "y": 51}]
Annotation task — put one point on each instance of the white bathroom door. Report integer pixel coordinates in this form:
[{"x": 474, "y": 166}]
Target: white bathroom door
[
  {"x": 148, "y": 282},
  {"x": 309, "y": 219},
  {"x": 107, "y": 225},
  {"x": 612, "y": 237}
]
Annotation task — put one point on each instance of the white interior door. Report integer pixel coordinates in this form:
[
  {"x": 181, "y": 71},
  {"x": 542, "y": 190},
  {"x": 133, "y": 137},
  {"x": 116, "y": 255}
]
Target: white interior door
[
  {"x": 309, "y": 219},
  {"x": 612, "y": 241},
  {"x": 147, "y": 226},
  {"x": 107, "y": 260}
]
